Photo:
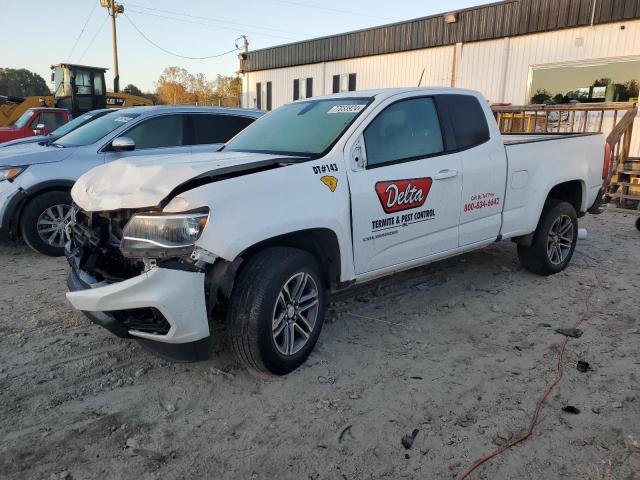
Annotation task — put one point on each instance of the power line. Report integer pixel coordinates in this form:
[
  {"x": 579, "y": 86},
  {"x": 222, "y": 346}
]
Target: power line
[
  {"x": 173, "y": 53},
  {"x": 75, "y": 44},
  {"x": 329, "y": 9},
  {"x": 235, "y": 30},
  {"x": 93, "y": 39},
  {"x": 219, "y": 20}
]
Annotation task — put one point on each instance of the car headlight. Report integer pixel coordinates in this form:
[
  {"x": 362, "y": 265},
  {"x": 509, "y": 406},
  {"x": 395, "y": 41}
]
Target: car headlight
[
  {"x": 9, "y": 173},
  {"x": 159, "y": 235}
]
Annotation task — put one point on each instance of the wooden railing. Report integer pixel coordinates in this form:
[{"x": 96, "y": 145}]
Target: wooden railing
[
  {"x": 622, "y": 184},
  {"x": 580, "y": 117}
]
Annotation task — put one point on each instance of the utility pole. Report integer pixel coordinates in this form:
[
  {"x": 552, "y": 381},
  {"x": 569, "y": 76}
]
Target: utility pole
[{"x": 114, "y": 9}]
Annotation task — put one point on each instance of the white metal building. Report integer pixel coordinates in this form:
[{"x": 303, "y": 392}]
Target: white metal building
[{"x": 510, "y": 51}]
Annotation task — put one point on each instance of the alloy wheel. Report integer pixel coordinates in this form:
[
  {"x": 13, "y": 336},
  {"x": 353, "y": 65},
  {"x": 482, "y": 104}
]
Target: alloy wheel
[
  {"x": 51, "y": 225},
  {"x": 560, "y": 239},
  {"x": 295, "y": 313}
]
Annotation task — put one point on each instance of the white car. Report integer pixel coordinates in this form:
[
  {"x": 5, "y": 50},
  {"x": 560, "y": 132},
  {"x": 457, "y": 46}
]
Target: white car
[{"x": 313, "y": 197}]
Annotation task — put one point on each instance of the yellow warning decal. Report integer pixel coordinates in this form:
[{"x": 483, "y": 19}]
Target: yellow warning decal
[{"x": 331, "y": 182}]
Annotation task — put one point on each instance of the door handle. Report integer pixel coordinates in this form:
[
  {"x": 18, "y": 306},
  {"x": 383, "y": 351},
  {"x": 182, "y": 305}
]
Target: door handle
[{"x": 444, "y": 174}]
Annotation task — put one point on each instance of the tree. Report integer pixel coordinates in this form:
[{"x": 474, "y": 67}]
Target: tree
[
  {"x": 22, "y": 83},
  {"x": 201, "y": 89},
  {"x": 173, "y": 86},
  {"x": 602, "y": 82},
  {"x": 176, "y": 85},
  {"x": 228, "y": 90},
  {"x": 625, "y": 91},
  {"x": 133, "y": 90},
  {"x": 540, "y": 96}
]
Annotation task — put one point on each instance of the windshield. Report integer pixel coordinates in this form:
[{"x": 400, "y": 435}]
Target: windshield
[
  {"x": 77, "y": 122},
  {"x": 95, "y": 130},
  {"x": 24, "y": 118},
  {"x": 301, "y": 128}
]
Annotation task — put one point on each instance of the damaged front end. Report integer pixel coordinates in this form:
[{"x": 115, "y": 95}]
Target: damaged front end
[{"x": 140, "y": 275}]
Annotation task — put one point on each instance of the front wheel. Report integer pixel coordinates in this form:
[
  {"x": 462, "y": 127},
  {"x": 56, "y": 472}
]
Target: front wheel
[
  {"x": 554, "y": 240},
  {"x": 276, "y": 310},
  {"x": 44, "y": 220}
]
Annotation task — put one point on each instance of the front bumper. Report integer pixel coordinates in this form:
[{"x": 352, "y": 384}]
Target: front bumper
[
  {"x": 177, "y": 295},
  {"x": 11, "y": 200}
]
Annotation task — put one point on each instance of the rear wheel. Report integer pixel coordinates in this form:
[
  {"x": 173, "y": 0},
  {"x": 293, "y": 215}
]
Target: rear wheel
[
  {"x": 554, "y": 240},
  {"x": 276, "y": 310},
  {"x": 44, "y": 220}
]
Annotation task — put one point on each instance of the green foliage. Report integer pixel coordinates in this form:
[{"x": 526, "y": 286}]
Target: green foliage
[
  {"x": 22, "y": 83},
  {"x": 540, "y": 96},
  {"x": 133, "y": 90}
]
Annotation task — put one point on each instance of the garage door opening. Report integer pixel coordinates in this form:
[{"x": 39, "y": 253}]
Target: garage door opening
[{"x": 615, "y": 81}]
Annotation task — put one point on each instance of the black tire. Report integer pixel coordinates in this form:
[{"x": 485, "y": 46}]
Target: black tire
[
  {"x": 638, "y": 223},
  {"x": 254, "y": 303},
  {"x": 29, "y": 221},
  {"x": 537, "y": 258}
]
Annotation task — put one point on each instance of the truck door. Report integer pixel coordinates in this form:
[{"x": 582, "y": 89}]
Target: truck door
[
  {"x": 406, "y": 200},
  {"x": 484, "y": 165}
]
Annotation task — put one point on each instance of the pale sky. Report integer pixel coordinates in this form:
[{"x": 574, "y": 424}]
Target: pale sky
[{"x": 38, "y": 33}]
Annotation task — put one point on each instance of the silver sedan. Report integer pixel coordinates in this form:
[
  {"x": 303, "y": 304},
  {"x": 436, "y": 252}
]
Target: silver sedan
[{"x": 35, "y": 179}]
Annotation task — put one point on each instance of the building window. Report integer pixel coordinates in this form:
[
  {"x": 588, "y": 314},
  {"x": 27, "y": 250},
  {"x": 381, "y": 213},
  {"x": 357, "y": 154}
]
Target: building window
[
  {"x": 344, "y": 83},
  {"x": 605, "y": 82},
  {"x": 302, "y": 88},
  {"x": 264, "y": 96}
]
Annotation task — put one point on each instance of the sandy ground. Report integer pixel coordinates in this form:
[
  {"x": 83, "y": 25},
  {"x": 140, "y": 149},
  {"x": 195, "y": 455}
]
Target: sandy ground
[{"x": 459, "y": 350}]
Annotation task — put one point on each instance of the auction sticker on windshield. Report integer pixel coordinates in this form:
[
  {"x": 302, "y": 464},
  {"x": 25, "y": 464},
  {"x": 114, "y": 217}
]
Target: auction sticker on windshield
[
  {"x": 122, "y": 119},
  {"x": 346, "y": 108}
]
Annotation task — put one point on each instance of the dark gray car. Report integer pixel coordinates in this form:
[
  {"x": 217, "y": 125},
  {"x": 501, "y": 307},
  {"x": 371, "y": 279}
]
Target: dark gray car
[{"x": 35, "y": 179}]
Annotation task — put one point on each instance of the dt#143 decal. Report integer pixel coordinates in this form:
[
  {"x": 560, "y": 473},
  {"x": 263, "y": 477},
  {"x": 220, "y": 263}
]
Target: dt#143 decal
[
  {"x": 326, "y": 168},
  {"x": 398, "y": 195}
]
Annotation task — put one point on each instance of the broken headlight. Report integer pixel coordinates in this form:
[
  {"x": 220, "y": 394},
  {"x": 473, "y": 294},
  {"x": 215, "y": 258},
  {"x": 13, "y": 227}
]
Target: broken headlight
[{"x": 159, "y": 235}]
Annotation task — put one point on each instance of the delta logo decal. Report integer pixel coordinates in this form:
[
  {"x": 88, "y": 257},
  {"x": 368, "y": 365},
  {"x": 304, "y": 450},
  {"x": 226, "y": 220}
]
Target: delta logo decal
[{"x": 398, "y": 195}]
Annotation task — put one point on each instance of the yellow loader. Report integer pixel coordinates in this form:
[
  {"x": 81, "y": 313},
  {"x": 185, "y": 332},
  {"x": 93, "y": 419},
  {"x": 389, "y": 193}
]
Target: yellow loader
[{"x": 77, "y": 88}]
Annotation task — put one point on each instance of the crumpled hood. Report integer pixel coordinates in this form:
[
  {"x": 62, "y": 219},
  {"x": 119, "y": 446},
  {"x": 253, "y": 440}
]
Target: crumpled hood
[
  {"x": 32, "y": 154},
  {"x": 146, "y": 181}
]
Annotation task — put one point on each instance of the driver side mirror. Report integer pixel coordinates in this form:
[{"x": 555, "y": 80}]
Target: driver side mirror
[
  {"x": 123, "y": 144},
  {"x": 39, "y": 129}
]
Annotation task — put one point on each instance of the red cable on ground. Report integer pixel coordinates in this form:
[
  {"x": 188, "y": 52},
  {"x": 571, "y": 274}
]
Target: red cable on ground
[{"x": 482, "y": 460}]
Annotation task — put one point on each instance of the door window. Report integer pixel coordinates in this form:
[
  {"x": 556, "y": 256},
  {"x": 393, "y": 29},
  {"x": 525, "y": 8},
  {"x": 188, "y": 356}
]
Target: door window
[
  {"x": 217, "y": 128},
  {"x": 158, "y": 132},
  {"x": 36, "y": 121},
  {"x": 51, "y": 120},
  {"x": 405, "y": 130},
  {"x": 468, "y": 120},
  {"x": 83, "y": 82}
]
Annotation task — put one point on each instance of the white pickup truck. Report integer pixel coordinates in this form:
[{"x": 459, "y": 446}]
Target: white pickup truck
[{"x": 313, "y": 197}]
